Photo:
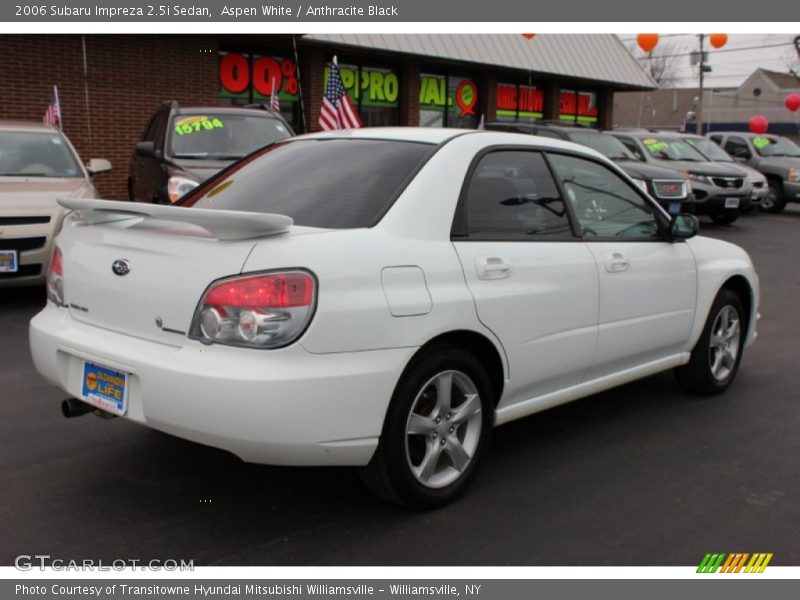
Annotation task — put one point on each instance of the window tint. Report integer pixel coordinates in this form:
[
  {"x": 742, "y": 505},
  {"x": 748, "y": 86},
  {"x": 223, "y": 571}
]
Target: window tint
[
  {"x": 631, "y": 145},
  {"x": 331, "y": 183},
  {"x": 512, "y": 194},
  {"x": 605, "y": 205},
  {"x": 736, "y": 146}
]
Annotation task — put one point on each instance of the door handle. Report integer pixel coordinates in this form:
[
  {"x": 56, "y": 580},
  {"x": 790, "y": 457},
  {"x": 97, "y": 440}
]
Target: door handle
[
  {"x": 617, "y": 262},
  {"x": 492, "y": 267}
]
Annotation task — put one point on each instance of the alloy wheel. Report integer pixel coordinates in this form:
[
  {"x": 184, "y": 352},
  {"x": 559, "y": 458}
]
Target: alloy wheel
[{"x": 723, "y": 347}]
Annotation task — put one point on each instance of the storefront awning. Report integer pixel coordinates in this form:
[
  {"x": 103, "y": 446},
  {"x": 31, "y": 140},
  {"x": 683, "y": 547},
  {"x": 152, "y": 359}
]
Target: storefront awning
[{"x": 595, "y": 57}]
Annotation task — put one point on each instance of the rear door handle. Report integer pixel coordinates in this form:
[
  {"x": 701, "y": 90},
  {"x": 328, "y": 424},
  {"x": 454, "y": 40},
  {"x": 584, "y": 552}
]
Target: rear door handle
[
  {"x": 617, "y": 262},
  {"x": 492, "y": 267}
]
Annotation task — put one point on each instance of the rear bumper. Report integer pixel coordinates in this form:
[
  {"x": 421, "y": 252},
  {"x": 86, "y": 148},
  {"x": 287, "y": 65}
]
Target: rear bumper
[{"x": 283, "y": 407}]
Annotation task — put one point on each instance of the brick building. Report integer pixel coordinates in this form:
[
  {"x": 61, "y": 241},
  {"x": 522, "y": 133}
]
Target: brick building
[{"x": 110, "y": 84}]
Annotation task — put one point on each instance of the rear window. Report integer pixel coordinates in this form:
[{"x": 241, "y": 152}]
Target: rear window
[{"x": 330, "y": 183}]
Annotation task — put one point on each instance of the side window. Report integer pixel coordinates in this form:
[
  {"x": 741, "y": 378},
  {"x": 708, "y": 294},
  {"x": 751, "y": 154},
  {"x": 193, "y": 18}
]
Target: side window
[
  {"x": 512, "y": 195},
  {"x": 631, "y": 145},
  {"x": 160, "y": 128},
  {"x": 148, "y": 135},
  {"x": 604, "y": 203},
  {"x": 737, "y": 147}
]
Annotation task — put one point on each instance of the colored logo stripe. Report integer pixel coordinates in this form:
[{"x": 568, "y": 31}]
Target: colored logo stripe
[{"x": 734, "y": 562}]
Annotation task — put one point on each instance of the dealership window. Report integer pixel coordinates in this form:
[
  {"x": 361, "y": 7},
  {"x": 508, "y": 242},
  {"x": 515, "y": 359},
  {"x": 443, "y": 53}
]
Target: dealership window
[
  {"x": 375, "y": 92},
  {"x": 516, "y": 102},
  {"x": 448, "y": 100},
  {"x": 247, "y": 78},
  {"x": 578, "y": 106}
]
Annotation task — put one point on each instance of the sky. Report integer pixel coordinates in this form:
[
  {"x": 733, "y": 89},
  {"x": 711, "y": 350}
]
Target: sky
[{"x": 730, "y": 65}]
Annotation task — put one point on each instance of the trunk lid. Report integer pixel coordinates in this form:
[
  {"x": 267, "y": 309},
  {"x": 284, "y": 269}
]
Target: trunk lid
[{"x": 170, "y": 264}]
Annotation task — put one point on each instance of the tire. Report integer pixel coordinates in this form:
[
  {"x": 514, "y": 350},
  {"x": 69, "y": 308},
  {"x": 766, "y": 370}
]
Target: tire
[
  {"x": 716, "y": 356},
  {"x": 725, "y": 218},
  {"x": 774, "y": 202},
  {"x": 418, "y": 469}
]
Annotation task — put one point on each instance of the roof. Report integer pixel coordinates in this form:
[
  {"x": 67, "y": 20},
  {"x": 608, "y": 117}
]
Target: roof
[
  {"x": 14, "y": 125},
  {"x": 596, "y": 57},
  {"x": 427, "y": 135},
  {"x": 784, "y": 81}
]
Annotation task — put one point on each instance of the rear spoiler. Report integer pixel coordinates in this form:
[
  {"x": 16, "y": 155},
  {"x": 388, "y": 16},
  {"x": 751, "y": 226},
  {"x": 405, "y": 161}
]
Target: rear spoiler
[{"x": 223, "y": 224}]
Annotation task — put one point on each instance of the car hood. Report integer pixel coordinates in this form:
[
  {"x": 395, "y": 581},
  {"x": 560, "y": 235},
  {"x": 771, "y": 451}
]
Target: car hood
[
  {"x": 643, "y": 170},
  {"x": 199, "y": 170},
  {"x": 41, "y": 192},
  {"x": 702, "y": 168},
  {"x": 779, "y": 162},
  {"x": 747, "y": 169}
]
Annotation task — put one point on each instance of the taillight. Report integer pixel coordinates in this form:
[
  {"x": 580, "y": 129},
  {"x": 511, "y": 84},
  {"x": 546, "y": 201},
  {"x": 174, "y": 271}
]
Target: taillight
[
  {"x": 268, "y": 310},
  {"x": 55, "y": 278}
]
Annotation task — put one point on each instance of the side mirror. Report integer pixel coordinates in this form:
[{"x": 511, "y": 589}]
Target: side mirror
[
  {"x": 148, "y": 150},
  {"x": 98, "y": 165},
  {"x": 683, "y": 226}
]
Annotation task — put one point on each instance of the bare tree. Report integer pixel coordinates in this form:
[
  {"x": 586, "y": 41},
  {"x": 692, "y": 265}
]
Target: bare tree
[{"x": 661, "y": 63}]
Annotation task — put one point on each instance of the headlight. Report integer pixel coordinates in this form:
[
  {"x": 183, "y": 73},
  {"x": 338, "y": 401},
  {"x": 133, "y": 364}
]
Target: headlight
[
  {"x": 793, "y": 174},
  {"x": 178, "y": 186},
  {"x": 698, "y": 178},
  {"x": 641, "y": 184},
  {"x": 757, "y": 179},
  {"x": 266, "y": 310}
]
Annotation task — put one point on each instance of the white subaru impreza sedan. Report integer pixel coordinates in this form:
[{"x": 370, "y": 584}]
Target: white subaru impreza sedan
[{"x": 384, "y": 298}]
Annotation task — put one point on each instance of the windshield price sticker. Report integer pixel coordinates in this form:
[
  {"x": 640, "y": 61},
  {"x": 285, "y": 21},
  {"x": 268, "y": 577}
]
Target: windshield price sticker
[
  {"x": 656, "y": 146},
  {"x": 191, "y": 125},
  {"x": 761, "y": 142}
]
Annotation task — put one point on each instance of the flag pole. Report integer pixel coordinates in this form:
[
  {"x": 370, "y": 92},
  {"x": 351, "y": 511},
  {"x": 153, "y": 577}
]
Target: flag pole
[{"x": 58, "y": 106}]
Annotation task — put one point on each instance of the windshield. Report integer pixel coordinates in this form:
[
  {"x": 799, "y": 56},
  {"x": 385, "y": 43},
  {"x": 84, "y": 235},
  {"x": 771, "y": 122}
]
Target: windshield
[
  {"x": 710, "y": 149},
  {"x": 605, "y": 144},
  {"x": 767, "y": 145},
  {"x": 331, "y": 183},
  {"x": 36, "y": 154},
  {"x": 222, "y": 136},
  {"x": 671, "y": 149}
]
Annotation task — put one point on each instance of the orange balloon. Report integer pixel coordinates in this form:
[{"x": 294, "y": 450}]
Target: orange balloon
[
  {"x": 718, "y": 40},
  {"x": 529, "y": 36},
  {"x": 647, "y": 41}
]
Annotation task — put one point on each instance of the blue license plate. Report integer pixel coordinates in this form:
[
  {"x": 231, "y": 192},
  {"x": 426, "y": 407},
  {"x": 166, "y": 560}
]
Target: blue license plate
[
  {"x": 105, "y": 388},
  {"x": 8, "y": 261}
]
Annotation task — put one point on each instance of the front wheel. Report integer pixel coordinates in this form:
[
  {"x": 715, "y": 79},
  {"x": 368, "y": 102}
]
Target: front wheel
[
  {"x": 716, "y": 356},
  {"x": 437, "y": 428},
  {"x": 774, "y": 202}
]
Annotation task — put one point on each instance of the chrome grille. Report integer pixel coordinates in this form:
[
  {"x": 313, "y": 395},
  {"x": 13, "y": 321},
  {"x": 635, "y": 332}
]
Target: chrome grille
[{"x": 729, "y": 183}]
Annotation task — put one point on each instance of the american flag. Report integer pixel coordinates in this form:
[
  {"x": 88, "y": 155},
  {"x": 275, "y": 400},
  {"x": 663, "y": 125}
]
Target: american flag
[
  {"x": 274, "y": 101},
  {"x": 337, "y": 110},
  {"x": 52, "y": 116}
]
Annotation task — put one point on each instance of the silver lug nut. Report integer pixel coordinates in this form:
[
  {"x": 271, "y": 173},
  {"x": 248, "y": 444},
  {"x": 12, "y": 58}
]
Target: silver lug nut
[
  {"x": 452, "y": 429},
  {"x": 442, "y": 441}
]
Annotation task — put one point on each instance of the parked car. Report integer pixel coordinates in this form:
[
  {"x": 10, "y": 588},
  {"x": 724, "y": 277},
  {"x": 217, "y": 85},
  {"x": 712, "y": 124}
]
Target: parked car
[
  {"x": 37, "y": 165},
  {"x": 719, "y": 191},
  {"x": 388, "y": 325},
  {"x": 181, "y": 146},
  {"x": 669, "y": 190},
  {"x": 757, "y": 181},
  {"x": 778, "y": 158}
]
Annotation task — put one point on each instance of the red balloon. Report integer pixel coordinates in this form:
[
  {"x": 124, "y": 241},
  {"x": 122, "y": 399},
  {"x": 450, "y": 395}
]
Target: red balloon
[
  {"x": 529, "y": 36},
  {"x": 793, "y": 102},
  {"x": 647, "y": 41},
  {"x": 718, "y": 40},
  {"x": 759, "y": 124}
]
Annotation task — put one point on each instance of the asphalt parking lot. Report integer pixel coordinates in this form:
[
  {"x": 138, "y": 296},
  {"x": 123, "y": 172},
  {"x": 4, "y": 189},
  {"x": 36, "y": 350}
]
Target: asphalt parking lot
[{"x": 640, "y": 475}]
